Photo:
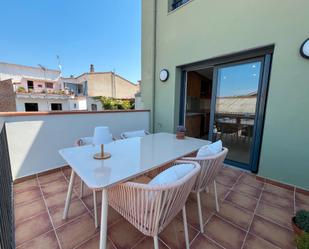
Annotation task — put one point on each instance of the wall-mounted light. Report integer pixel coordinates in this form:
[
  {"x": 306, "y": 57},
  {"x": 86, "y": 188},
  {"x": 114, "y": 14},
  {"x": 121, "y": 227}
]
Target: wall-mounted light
[
  {"x": 164, "y": 75},
  {"x": 304, "y": 49}
]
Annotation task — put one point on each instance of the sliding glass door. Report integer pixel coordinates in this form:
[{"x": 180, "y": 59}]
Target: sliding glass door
[{"x": 237, "y": 109}]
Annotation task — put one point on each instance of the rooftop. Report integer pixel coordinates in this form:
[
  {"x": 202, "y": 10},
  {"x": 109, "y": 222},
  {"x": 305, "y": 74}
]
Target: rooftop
[{"x": 253, "y": 214}]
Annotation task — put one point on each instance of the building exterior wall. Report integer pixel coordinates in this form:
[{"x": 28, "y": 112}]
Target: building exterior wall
[
  {"x": 7, "y": 96},
  {"x": 109, "y": 84},
  {"x": 43, "y": 104},
  {"x": 204, "y": 29}
]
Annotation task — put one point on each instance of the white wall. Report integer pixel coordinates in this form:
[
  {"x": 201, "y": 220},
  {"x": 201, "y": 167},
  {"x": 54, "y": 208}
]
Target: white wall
[
  {"x": 34, "y": 141},
  {"x": 43, "y": 104}
]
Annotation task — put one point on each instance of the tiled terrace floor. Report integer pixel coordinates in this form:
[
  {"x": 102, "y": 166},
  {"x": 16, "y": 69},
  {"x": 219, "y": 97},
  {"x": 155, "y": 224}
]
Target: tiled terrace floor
[{"x": 253, "y": 215}]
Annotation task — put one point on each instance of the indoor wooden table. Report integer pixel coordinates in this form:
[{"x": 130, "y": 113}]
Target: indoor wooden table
[{"x": 130, "y": 158}]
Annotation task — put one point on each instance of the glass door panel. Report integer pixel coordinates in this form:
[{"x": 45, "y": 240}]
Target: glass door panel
[{"x": 234, "y": 114}]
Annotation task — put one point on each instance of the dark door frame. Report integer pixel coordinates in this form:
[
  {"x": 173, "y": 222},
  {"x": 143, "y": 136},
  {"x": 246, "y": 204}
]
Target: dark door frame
[{"x": 265, "y": 55}]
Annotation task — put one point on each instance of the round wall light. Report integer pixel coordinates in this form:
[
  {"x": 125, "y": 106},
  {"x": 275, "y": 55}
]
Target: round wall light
[
  {"x": 304, "y": 49},
  {"x": 164, "y": 75}
]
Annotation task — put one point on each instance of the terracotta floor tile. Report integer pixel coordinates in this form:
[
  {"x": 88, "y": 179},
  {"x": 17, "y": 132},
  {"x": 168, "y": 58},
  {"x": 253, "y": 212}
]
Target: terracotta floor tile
[
  {"x": 242, "y": 200},
  {"x": 250, "y": 180},
  {"x": 254, "y": 242},
  {"x": 124, "y": 235},
  {"x": 277, "y": 200},
  {"x": 67, "y": 172},
  {"x": 77, "y": 208},
  {"x": 148, "y": 243},
  {"x": 94, "y": 243},
  {"x": 301, "y": 206},
  {"x": 24, "y": 211},
  {"x": 277, "y": 214},
  {"x": 221, "y": 190},
  {"x": 286, "y": 193},
  {"x": 113, "y": 215},
  {"x": 224, "y": 233},
  {"x": 231, "y": 171},
  {"x": 247, "y": 189},
  {"x": 28, "y": 195},
  {"x": 76, "y": 232},
  {"x": 192, "y": 214},
  {"x": 43, "y": 179},
  {"x": 47, "y": 241},
  {"x": 225, "y": 180},
  {"x": 173, "y": 234},
  {"x": 201, "y": 242},
  {"x": 57, "y": 186},
  {"x": 23, "y": 186},
  {"x": 31, "y": 228},
  {"x": 273, "y": 233},
  {"x": 88, "y": 200},
  {"x": 58, "y": 199},
  {"x": 238, "y": 216},
  {"x": 87, "y": 191},
  {"x": 303, "y": 199}
]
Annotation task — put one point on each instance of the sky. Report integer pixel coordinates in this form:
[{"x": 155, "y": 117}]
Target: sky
[
  {"x": 106, "y": 33},
  {"x": 239, "y": 79}
]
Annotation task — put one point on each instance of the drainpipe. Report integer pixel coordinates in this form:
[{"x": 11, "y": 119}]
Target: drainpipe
[{"x": 154, "y": 63}]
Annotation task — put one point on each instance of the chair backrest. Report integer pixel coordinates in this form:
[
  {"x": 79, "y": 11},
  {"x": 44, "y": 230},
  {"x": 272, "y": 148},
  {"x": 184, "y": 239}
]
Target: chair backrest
[
  {"x": 210, "y": 166},
  {"x": 151, "y": 208},
  {"x": 138, "y": 133}
]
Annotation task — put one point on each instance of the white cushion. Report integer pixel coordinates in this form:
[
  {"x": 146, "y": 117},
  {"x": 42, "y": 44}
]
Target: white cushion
[
  {"x": 139, "y": 133},
  {"x": 210, "y": 149},
  {"x": 172, "y": 174}
]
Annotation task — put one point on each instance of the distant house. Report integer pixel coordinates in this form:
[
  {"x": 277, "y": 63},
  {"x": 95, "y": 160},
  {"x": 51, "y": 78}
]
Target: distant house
[
  {"x": 108, "y": 84},
  {"x": 42, "y": 89}
]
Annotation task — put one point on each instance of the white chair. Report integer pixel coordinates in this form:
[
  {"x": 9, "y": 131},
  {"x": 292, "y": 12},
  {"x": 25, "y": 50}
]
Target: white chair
[
  {"x": 138, "y": 133},
  {"x": 210, "y": 166},
  {"x": 101, "y": 135},
  {"x": 151, "y": 207}
]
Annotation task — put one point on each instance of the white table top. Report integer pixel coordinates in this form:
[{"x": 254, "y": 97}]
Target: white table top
[{"x": 130, "y": 157}]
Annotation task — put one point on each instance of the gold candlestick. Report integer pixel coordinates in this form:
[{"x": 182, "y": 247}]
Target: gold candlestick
[{"x": 102, "y": 155}]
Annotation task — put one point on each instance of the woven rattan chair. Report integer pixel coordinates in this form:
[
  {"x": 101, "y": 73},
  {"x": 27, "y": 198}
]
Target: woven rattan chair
[
  {"x": 129, "y": 134},
  {"x": 210, "y": 166},
  {"x": 150, "y": 208}
]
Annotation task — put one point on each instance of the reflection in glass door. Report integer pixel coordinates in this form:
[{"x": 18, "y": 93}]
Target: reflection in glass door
[{"x": 235, "y": 108}]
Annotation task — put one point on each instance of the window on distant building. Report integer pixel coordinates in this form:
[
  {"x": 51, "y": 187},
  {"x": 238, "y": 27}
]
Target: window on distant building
[
  {"x": 40, "y": 86},
  {"x": 30, "y": 84},
  {"x": 94, "y": 107},
  {"x": 174, "y": 4},
  {"x": 56, "y": 107},
  {"x": 75, "y": 105},
  {"x": 31, "y": 107},
  {"x": 49, "y": 85},
  {"x": 80, "y": 89}
]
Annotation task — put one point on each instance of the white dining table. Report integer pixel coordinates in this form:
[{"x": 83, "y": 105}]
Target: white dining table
[{"x": 130, "y": 158}]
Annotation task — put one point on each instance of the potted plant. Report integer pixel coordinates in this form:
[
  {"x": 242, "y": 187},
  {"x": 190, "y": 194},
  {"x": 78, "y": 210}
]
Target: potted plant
[
  {"x": 180, "y": 132},
  {"x": 300, "y": 222},
  {"x": 302, "y": 241}
]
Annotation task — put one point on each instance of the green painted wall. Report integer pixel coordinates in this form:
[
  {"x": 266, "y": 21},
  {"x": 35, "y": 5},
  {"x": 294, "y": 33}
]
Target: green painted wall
[{"x": 204, "y": 29}]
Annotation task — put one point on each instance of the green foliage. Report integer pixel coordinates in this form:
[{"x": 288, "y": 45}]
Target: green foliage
[
  {"x": 21, "y": 89},
  {"x": 302, "y": 220},
  {"x": 302, "y": 241},
  {"x": 114, "y": 104}
]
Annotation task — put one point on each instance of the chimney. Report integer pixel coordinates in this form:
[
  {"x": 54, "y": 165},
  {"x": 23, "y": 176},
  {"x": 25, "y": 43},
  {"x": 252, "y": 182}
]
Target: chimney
[{"x": 91, "y": 68}]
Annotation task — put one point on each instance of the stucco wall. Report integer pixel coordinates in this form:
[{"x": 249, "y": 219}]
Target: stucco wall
[
  {"x": 34, "y": 141},
  {"x": 43, "y": 104},
  {"x": 204, "y": 29}
]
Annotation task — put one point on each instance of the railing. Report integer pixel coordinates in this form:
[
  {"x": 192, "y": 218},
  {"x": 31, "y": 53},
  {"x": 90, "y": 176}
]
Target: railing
[
  {"x": 178, "y": 3},
  {"x": 7, "y": 237}
]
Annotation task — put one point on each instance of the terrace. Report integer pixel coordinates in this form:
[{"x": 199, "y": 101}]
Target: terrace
[{"x": 254, "y": 212}]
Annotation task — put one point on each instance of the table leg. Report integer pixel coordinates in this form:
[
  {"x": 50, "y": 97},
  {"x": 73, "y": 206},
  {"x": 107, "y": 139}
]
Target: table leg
[
  {"x": 104, "y": 208},
  {"x": 69, "y": 194}
]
